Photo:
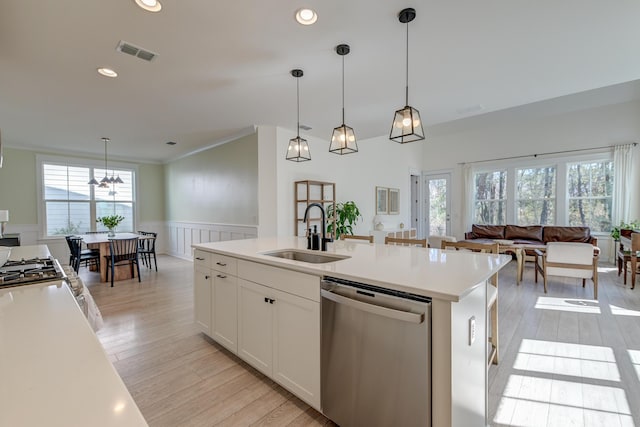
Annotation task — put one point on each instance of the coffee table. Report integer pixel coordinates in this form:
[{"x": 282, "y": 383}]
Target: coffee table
[{"x": 509, "y": 246}]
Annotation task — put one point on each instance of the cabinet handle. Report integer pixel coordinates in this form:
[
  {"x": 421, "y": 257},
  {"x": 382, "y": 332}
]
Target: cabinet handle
[
  {"x": 207, "y": 277},
  {"x": 222, "y": 264},
  {"x": 200, "y": 259},
  {"x": 266, "y": 299},
  {"x": 271, "y": 301},
  {"x": 221, "y": 276}
]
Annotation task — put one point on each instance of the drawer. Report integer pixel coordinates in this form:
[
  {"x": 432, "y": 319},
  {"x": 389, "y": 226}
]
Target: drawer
[
  {"x": 292, "y": 282},
  {"x": 202, "y": 258},
  {"x": 224, "y": 264}
]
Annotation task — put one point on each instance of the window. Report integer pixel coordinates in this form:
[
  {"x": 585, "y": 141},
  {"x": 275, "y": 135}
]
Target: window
[
  {"x": 490, "y": 197},
  {"x": 71, "y": 206},
  {"x": 590, "y": 188},
  {"x": 536, "y": 196},
  {"x": 573, "y": 191}
]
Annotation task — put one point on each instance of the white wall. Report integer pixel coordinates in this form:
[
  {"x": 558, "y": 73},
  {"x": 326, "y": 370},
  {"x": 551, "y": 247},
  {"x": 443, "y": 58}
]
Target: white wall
[
  {"x": 515, "y": 133},
  {"x": 379, "y": 162}
]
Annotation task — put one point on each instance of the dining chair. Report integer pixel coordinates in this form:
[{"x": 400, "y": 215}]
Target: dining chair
[
  {"x": 492, "y": 291},
  {"x": 405, "y": 242},
  {"x": 78, "y": 255},
  {"x": 147, "y": 248},
  {"x": 568, "y": 259},
  {"x": 434, "y": 241},
  {"x": 626, "y": 256},
  {"x": 356, "y": 237},
  {"x": 122, "y": 252}
]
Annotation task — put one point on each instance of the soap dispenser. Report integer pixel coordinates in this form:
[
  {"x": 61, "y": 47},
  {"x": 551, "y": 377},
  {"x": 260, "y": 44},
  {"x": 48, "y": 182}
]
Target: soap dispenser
[
  {"x": 315, "y": 239},
  {"x": 309, "y": 238}
]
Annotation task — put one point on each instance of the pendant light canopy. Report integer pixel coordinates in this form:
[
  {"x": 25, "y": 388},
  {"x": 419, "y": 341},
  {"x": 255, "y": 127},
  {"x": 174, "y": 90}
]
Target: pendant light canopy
[
  {"x": 298, "y": 150},
  {"x": 407, "y": 125},
  {"x": 343, "y": 140}
]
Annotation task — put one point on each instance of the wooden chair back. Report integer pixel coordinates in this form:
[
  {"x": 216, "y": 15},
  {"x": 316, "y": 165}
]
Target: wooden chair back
[
  {"x": 405, "y": 242},
  {"x": 356, "y": 237}
]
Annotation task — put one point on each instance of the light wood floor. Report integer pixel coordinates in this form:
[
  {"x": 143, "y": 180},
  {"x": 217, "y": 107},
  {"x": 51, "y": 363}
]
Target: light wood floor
[{"x": 565, "y": 358}]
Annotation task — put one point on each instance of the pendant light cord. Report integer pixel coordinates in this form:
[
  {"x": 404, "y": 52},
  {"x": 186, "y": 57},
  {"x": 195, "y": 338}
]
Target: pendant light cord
[
  {"x": 298, "y": 102},
  {"x": 343, "y": 90},
  {"x": 407, "y": 68}
]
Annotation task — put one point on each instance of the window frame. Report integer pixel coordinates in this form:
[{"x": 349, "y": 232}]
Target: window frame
[
  {"x": 516, "y": 199},
  {"x": 561, "y": 163},
  {"x": 83, "y": 163}
]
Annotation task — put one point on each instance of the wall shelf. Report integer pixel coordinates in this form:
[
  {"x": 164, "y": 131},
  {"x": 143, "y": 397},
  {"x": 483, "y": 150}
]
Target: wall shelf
[{"x": 307, "y": 192}]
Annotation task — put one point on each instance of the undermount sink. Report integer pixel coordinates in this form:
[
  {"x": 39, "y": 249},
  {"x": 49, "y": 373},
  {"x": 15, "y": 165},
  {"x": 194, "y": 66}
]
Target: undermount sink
[{"x": 313, "y": 258}]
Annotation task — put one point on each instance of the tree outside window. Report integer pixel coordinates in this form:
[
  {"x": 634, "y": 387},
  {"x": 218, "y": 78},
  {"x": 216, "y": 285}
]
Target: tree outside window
[
  {"x": 590, "y": 189},
  {"x": 536, "y": 196},
  {"x": 490, "y": 197}
]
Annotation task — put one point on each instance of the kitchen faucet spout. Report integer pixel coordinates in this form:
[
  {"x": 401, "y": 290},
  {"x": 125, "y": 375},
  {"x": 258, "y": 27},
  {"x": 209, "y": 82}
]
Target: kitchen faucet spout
[{"x": 325, "y": 239}]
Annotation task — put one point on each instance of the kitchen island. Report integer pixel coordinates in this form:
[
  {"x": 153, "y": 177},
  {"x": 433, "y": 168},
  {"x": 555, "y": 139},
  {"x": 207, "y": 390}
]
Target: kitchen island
[
  {"x": 53, "y": 370},
  {"x": 238, "y": 282}
]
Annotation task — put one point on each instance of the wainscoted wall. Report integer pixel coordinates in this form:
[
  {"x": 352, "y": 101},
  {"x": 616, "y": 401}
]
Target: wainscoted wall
[{"x": 181, "y": 235}]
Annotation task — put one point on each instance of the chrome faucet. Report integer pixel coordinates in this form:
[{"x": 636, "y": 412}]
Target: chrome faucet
[{"x": 325, "y": 239}]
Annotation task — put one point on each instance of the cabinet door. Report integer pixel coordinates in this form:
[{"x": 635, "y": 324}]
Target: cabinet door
[
  {"x": 296, "y": 352},
  {"x": 255, "y": 336},
  {"x": 224, "y": 321},
  {"x": 202, "y": 299}
]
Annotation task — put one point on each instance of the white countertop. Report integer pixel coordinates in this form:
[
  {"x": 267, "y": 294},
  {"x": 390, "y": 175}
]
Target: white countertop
[
  {"x": 446, "y": 275},
  {"x": 53, "y": 370}
]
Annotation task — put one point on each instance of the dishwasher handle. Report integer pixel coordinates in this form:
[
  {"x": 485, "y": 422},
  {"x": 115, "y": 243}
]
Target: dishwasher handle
[{"x": 404, "y": 316}]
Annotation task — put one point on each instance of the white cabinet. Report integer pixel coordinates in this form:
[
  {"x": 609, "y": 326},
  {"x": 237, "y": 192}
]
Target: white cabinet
[
  {"x": 215, "y": 297},
  {"x": 224, "y": 316},
  {"x": 255, "y": 325},
  {"x": 202, "y": 298},
  {"x": 296, "y": 346},
  {"x": 268, "y": 316}
]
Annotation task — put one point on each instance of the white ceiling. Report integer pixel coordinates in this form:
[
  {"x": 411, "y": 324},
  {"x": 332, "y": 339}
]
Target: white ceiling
[{"x": 223, "y": 66}]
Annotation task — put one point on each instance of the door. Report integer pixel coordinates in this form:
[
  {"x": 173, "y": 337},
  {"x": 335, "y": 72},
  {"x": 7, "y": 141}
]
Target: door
[
  {"x": 437, "y": 204},
  {"x": 224, "y": 321},
  {"x": 255, "y": 330},
  {"x": 202, "y": 299},
  {"x": 415, "y": 206},
  {"x": 296, "y": 346}
]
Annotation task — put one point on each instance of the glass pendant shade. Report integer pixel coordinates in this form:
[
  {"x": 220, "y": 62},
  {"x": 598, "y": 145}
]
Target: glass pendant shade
[
  {"x": 119, "y": 180},
  {"x": 298, "y": 150},
  {"x": 407, "y": 126},
  {"x": 93, "y": 182},
  {"x": 343, "y": 140}
]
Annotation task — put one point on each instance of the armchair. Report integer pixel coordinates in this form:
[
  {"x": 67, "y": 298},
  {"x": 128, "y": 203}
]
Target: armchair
[{"x": 568, "y": 259}]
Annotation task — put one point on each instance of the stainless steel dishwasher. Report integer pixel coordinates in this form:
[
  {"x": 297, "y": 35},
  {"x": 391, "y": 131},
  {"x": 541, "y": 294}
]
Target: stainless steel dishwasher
[{"x": 376, "y": 355}]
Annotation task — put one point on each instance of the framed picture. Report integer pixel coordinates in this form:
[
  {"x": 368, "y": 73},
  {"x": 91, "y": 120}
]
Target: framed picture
[
  {"x": 394, "y": 201},
  {"x": 381, "y": 200}
]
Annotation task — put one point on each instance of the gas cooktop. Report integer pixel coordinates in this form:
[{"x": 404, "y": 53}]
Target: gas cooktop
[{"x": 28, "y": 271}]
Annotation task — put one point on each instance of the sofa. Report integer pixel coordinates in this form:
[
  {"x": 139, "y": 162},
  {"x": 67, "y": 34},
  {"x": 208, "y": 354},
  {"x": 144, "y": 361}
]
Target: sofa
[{"x": 530, "y": 234}]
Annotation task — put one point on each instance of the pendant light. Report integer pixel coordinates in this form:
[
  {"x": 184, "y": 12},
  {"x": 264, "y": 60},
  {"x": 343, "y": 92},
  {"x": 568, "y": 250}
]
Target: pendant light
[
  {"x": 104, "y": 182},
  {"x": 343, "y": 140},
  {"x": 407, "y": 125},
  {"x": 298, "y": 150}
]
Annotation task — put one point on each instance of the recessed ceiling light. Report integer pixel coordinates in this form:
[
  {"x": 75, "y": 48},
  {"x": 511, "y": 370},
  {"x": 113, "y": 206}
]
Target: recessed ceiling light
[
  {"x": 150, "y": 5},
  {"x": 107, "y": 72},
  {"x": 306, "y": 16}
]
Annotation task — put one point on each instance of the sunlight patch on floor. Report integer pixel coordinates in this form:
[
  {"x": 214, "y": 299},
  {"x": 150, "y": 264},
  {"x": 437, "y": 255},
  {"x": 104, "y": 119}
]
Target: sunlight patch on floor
[
  {"x": 621, "y": 311},
  {"x": 577, "y": 360},
  {"x": 532, "y": 401},
  {"x": 568, "y": 304},
  {"x": 634, "y": 355}
]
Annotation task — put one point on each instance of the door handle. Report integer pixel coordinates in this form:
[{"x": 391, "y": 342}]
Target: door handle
[{"x": 404, "y": 316}]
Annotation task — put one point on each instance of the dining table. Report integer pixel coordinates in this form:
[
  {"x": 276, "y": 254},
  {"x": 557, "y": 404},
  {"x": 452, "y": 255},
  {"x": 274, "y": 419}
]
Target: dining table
[{"x": 101, "y": 242}]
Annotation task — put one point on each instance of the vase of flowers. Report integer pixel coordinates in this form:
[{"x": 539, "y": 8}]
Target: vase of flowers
[{"x": 111, "y": 222}]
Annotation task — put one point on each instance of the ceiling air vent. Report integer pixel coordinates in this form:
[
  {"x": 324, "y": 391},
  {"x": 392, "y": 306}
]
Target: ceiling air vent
[{"x": 136, "y": 51}]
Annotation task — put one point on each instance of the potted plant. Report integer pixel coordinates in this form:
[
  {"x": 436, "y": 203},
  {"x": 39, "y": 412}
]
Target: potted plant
[
  {"x": 342, "y": 217},
  {"x": 615, "y": 231},
  {"x": 111, "y": 222}
]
